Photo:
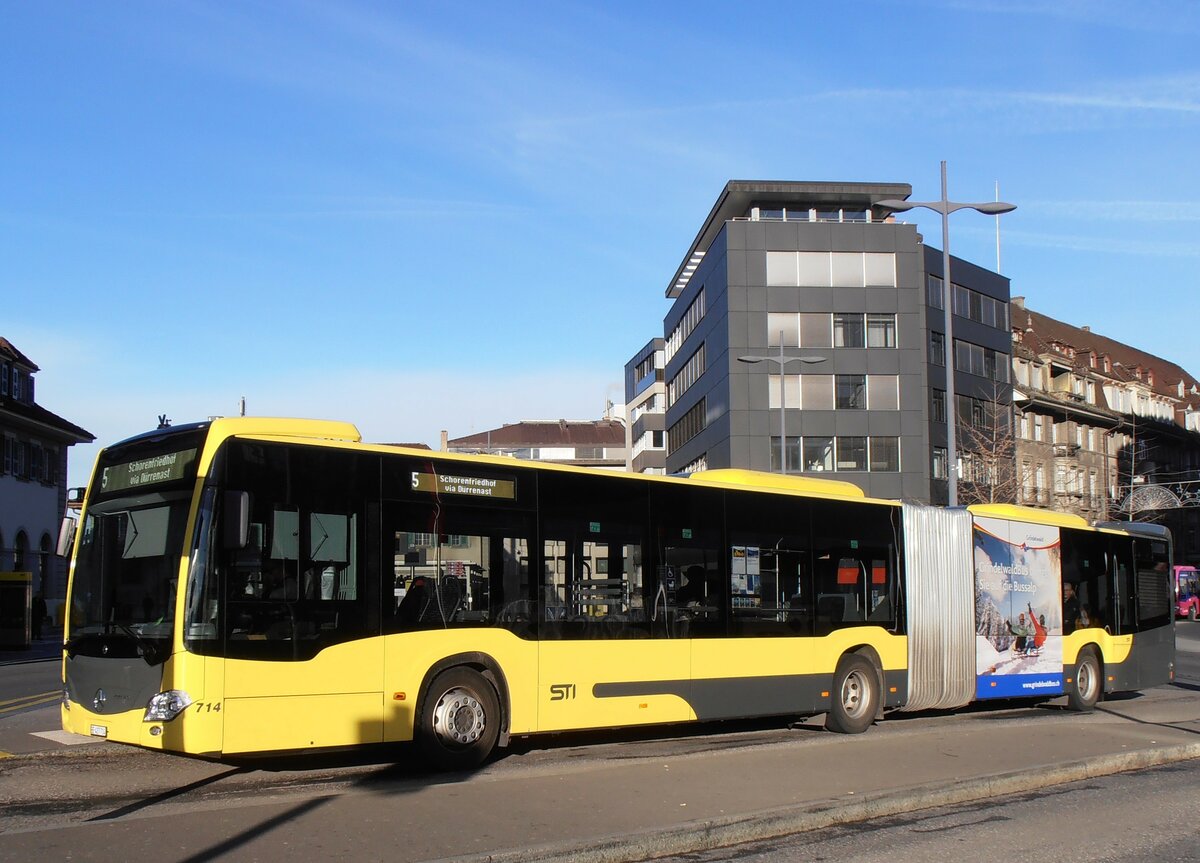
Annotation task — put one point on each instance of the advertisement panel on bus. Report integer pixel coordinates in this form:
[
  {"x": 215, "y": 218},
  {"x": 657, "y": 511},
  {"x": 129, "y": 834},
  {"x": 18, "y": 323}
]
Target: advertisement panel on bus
[{"x": 1018, "y": 609}]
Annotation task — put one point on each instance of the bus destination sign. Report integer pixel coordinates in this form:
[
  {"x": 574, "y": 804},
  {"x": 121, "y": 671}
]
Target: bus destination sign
[
  {"x": 470, "y": 486},
  {"x": 148, "y": 471}
]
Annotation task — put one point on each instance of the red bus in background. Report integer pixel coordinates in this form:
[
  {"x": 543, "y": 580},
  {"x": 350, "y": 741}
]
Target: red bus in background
[{"x": 1187, "y": 592}]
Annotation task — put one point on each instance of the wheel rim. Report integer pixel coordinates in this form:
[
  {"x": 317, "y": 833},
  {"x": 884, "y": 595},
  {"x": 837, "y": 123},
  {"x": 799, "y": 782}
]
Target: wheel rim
[
  {"x": 854, "y": 694},
  {"x": 458, "y": 718},
  {"x": 1086, "y": 680}
]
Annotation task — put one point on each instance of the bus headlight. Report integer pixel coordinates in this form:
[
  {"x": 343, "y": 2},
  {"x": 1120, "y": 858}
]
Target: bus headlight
[
  {"x": 66, "y": 698},
  {"x": 167, "y": 705}
]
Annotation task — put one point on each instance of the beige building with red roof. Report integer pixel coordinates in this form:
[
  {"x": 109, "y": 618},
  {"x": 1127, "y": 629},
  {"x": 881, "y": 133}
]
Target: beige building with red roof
[
  {"x": 1103, "y": 429},
  {"x": 586, "y": 443}
]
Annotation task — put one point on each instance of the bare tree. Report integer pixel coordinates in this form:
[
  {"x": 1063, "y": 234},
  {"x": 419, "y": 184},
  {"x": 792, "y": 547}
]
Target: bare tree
[{"x": 988, "y": 450}]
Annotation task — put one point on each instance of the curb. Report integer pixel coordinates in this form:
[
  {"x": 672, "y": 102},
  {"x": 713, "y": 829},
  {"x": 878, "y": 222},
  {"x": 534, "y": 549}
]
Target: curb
[{"x": 737, "y": 829}]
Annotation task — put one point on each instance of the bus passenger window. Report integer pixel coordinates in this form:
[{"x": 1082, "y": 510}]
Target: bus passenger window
[{"x": 770, "y": 586}]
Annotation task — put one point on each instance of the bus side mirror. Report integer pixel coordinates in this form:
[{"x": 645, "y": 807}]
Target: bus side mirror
[
  {"x": 237, "y": 520},
  {"x": 66, "y": 537}
]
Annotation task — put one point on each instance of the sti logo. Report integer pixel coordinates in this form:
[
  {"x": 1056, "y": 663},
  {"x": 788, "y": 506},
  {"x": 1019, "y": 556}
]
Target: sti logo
[{"x": 562, "y": 691}]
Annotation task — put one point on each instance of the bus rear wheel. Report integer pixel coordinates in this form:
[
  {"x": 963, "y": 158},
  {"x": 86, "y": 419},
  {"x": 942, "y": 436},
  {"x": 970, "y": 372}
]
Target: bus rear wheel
[
  {"x": 460, "y": 720},
  {"x": 855, "y": 696},
  {"x": 1083, "y": 694}
]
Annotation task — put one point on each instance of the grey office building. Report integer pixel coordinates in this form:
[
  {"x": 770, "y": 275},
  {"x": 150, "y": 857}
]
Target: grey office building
[{"x": 816, "y": 280}]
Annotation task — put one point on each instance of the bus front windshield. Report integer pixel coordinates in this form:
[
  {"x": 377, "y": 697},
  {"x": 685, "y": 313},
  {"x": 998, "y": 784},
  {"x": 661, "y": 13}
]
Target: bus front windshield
[
  {"x": 127, "y": 568},
  {"x": 128, "y": 554}
]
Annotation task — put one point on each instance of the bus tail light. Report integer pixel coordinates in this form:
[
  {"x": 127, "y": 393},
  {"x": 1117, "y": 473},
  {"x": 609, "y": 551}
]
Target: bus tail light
[{"x": 167, "y": 705}]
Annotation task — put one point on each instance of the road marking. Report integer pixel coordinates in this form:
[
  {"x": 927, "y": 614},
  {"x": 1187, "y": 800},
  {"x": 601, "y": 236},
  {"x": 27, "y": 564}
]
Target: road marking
[
  {"x": 66, "y": 738},
  {"x": 15, "y": 705},
  {"x": 4, "y": 754},
  {"x": 24, "y": 697}
]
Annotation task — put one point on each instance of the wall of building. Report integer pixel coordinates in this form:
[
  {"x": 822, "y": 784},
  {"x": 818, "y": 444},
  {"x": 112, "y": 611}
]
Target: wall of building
[{"x": 741, "y": 424}]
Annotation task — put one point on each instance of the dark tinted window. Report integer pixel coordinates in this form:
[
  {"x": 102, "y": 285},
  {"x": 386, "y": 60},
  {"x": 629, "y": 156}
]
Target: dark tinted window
[
  {"x": 854, "y": 564},
  {"x": 592, "y": 574},
  {"x": 308, "y": 576},
  {"x": 771, "y": 565},
  {"x": 1087, "y": 584},
  {"x": 1153, "y": 583},
  {"x": 458, "y": 541},
  {"x": 688, "y": 585}
]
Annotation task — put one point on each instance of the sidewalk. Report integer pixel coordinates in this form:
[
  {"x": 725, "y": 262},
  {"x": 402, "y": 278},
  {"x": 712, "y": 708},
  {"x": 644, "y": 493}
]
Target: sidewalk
[{"x": 46, "y": 647}]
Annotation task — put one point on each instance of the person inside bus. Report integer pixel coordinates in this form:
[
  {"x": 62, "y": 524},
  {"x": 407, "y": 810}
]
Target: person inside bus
[
  {"x": 281, "y": 585},
  {"x": 691, "y": 592},
  {"x": 1071, "y": 610}
]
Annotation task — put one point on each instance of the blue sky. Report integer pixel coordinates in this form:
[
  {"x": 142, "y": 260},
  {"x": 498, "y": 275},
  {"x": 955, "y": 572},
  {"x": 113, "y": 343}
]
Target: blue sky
[{"x": 448, "y": 216}]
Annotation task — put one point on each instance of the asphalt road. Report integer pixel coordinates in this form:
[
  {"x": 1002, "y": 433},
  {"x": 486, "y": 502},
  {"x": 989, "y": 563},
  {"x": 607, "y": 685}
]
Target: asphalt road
[
  {"x": 82, "y": 802},
  {"x": 1145, "y": 817}
]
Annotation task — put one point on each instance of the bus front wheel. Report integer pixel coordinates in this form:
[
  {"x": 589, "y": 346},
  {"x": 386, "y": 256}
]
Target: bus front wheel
[
  {"x": 1083, "y": 694},
  {"x": 855, "y": 696},
  {"x": 460, "y": 720}
]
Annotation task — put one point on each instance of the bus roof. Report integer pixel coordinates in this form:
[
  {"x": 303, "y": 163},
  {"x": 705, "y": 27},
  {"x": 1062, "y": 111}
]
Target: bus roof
[
  {"x": 1012, "y": 512},
  {"x": 779, "y": 482}
]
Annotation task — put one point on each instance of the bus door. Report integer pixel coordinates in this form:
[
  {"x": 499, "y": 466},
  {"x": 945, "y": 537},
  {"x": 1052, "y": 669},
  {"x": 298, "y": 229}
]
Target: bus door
[
  {"x": 605, "y": 657},
  {"x": 303, "y": 663}
]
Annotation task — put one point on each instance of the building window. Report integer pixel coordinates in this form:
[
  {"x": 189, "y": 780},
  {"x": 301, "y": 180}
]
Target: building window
[
  {"x": 793, "y": 454},
  {"x": 851, "y": 453},
  {"x": 848, "y": 331},
  {"x": 831, "y": 269},
  {"x": 962, "y": 301},
  {"x": 688, "y": 426},
  {"x": 980, "y": 308},
  {"x": 980, "y": 361},
  {"x": 815, "y": 330},
  {"x": 20, "y": 548},
  {"x": 816, "y": 392},
  {"x": 791, "y": 395},
  {"x": 881, "y": 331},
  {"x": 687, "y": 375},
  {"x": 939, "y": 463},
  {"x": 937, "y": 408},
  {"x": 690, "y": 318},
  {"x": 937, "y": 348},
  {"x": 3, "y": 379},
  {"x": 883, "y": 392},
  {"x": 818, "y": 453},
  {"x": 851, "y": 392},
  {"x": 885, "y": 454},
  {"x": 783, "y": 329},
  {"x": 934, "y": 295}
]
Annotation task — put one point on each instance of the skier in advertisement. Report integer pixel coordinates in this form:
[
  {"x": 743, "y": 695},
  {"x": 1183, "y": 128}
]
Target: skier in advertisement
[
  {"x": 1039, "y": 631},
  {"x": 1022, "y": 631}
]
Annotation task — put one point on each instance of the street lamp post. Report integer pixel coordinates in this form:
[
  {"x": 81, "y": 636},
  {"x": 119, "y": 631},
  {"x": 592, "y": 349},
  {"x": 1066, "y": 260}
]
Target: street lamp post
[
  {"x": 946, "y": 207},
  {"x": 782, "y": 362}
]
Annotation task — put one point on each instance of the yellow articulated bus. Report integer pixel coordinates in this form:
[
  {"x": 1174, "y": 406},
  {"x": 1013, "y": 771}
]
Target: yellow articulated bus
[{"x": 266, "y": 585}]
